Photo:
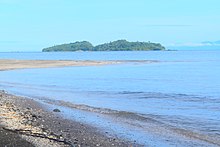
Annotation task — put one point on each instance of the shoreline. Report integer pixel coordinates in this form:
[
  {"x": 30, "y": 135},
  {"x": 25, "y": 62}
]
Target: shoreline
[
  {"x": 29, "y": 123},
  {"x": 28, "y": 120},
  {"x": 34, "y": 125}
]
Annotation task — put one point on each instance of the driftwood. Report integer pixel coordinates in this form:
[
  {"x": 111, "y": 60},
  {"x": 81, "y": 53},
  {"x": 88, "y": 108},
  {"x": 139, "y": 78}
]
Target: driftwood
[{"x": 30, "y": 133}]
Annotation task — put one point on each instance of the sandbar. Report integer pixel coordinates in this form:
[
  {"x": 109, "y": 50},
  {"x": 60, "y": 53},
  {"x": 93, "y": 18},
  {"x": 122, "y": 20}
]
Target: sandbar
[{"x": 7, "y": 64}]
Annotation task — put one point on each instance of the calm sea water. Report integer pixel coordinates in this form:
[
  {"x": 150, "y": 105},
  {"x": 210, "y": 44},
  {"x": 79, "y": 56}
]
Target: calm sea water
[{"x": 181, "y": 91}]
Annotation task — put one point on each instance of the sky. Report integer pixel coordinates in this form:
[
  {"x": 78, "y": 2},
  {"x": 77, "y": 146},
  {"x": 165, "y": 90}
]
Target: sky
[{"x": 30, "y": 25}]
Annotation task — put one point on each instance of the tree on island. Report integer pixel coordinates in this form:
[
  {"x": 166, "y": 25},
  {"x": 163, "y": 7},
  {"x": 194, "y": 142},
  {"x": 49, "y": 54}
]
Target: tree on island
[{"x": 119, "y": 45}]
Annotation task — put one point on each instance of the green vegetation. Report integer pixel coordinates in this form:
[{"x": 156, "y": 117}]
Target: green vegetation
[
  {"x": 123, "y": 45},
  {"x": 119, "y": 45},
  {"x": 77, "y": 46}
]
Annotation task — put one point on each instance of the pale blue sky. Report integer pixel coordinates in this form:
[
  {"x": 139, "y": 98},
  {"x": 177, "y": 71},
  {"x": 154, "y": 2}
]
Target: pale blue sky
[{"x": 30, "y": 25}]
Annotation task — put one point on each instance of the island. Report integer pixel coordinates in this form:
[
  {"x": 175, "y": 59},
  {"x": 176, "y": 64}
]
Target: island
[{"x": 119, "y": 45}]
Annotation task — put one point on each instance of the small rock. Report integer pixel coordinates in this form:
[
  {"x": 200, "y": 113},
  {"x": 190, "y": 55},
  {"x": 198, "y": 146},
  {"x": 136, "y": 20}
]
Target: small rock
[
  {"x": 45, "y": 133},
  {"x": 27, "y": 113},
  {"x": 29, "y": 122},
  {"x": 74, "y": 142},
  {"x": 9, "y": 104},
  {"x": 34, "y": 115},
  {"x": 56, "y": 110}
]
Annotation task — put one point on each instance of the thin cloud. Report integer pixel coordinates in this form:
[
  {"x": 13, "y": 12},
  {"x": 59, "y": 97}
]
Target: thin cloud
[{"x": 167, "y": 25}]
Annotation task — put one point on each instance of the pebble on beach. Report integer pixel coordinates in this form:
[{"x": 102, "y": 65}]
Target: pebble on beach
[{"x": 56, "y": 110}]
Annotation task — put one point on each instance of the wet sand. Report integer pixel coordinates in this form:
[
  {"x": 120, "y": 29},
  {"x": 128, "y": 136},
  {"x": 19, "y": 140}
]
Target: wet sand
[
  {"x": 27, "y": 123},
  {"x": 8, "y": 138}
]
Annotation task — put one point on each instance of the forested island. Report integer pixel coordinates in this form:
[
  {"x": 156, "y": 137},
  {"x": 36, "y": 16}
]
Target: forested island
[{"x": 119, "y": 45}]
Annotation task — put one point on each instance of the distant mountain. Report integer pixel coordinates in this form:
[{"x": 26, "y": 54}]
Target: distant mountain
[
  {"x": 119, "y": 45},
  {"x": 211, "y": 42},
  {"x": 205, "y": 45}
]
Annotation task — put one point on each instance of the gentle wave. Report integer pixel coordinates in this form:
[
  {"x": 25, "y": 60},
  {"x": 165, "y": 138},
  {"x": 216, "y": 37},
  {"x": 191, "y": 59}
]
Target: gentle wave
[{"x": 146, "y": 122}]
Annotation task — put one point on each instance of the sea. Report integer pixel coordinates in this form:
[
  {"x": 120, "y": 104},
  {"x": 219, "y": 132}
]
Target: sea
[{"x": 174, "y": 101}]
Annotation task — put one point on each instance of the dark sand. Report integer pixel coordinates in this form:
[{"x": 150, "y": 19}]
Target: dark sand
[
  {"x": 9, "y": 139},
  {"x": 27, "y": 123}
]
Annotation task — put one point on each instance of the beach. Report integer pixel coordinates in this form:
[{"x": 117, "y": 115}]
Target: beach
[
  {"x": 109, "y": 73},
  {"x": 26, "y": 122},
  {"x": 123, "y": 101}
]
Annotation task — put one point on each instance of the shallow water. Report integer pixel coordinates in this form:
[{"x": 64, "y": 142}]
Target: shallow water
[{"x": 181, "y": 91}]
